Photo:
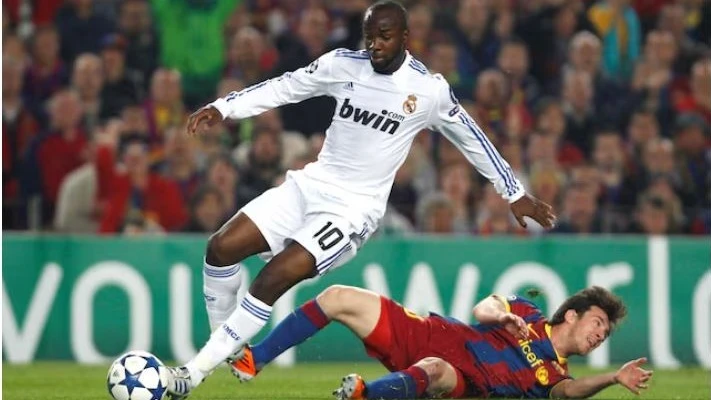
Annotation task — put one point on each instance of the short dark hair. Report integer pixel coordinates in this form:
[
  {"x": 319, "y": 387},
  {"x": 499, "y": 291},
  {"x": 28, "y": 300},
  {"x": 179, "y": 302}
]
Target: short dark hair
[
  {"x": 395, "y": 6},
  {"x": 582, "y": 301}
]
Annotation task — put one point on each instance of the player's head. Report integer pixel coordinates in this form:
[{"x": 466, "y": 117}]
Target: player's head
[
  {"x": 587, "y": 318},
  {"x": 385, "y": 33}
]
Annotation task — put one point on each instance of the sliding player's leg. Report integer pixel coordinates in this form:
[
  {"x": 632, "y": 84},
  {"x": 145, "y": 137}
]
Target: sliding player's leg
[
  {"x": 356, "y": 308},
  {"x": 430, "y": 377}
]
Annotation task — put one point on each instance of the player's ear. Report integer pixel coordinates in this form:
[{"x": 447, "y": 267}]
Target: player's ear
[{"x": 571, "y": 316}]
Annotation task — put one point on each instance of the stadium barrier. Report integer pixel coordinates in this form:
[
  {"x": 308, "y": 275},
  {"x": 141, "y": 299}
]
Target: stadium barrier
[{"x": 89, "y": 299}]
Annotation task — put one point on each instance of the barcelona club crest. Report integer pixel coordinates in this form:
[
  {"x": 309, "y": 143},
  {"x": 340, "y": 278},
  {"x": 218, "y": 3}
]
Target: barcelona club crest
[{"x": 410, "y": 105}]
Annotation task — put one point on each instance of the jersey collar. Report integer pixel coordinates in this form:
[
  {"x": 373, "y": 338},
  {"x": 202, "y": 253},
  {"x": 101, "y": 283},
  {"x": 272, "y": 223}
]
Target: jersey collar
[{"x": 561, "y": 360}]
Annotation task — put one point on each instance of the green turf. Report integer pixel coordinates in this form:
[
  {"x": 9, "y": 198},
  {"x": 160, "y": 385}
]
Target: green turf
[{"x": 56, "y": 380}]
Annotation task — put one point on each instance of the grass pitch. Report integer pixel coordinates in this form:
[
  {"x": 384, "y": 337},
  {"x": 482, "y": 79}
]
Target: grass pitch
[{"x": 63, "y": 380}]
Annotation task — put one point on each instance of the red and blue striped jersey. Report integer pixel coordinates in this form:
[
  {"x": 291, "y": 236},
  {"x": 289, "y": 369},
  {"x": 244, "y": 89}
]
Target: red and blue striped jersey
[{"x": 508, "y": 367}]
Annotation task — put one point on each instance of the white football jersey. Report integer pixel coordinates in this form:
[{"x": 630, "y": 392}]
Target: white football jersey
[{"x": 376, "y": 119}]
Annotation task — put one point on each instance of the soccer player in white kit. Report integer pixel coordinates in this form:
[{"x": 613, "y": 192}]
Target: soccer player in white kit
[{"x": 320, "y": 216}]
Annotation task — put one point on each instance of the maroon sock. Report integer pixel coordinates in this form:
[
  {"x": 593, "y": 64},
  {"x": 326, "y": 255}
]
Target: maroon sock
[
  {"x": 315, "y": 314},
  {"x": 420, "y": 377}
]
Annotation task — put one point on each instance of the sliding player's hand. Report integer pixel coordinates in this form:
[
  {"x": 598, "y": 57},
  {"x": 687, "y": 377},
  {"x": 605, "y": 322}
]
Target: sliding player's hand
[
  {"x": 207, "y": 114},
  {"x": 529, "y": 206},
  {"x": 514, "y": 325},
  {"x": 632, "y": 376}
]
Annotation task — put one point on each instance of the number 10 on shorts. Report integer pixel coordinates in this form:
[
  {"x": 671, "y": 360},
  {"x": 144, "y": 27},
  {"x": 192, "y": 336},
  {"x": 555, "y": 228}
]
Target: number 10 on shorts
[{"x": 328, "y": 238}]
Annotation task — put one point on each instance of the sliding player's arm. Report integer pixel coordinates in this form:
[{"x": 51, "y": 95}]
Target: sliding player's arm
[
  {"x": 631, "y": 376},
  {"x": 291, "y": 87},
  {"x": 497, "y": 310},
  {"x": 453, "y": 122}
]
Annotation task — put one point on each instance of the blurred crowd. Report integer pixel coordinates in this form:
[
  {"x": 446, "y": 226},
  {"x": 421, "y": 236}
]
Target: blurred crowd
[{"x": 602, "y": 108}]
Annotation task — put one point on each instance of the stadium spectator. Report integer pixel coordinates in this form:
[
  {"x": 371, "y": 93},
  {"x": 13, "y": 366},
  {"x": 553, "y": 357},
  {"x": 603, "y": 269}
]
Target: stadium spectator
[
  {"x": 164, "y": 107},
  {"x": 122, "y": 87},
  {"x": 608, "y": 156},
  {"x": 609, "y": 96},
  {"x": 579, "y": 212},
  {"x": 135, "y": 24},
  {"x": 477, "y": 45},
  {"x": 653, "y": 216},
  {"x": 496, "y": 217},
  {"x": 248, "y": 57},
  {"x": 404, "y": 195},
  {"x": 513, "y": 60},
  {"x": 138, "y": 197},
  {"x": 207, "y": 211},
  {"x": 179, "y": 164},
  {"x": 698, "y": 99},
  {"x": 618, "y": 25},
  {"x": 308, "y": 43},
  {"x": 547, "y": 182},
  {"x": 419, "y": 22},
  {"x": 81, "y": 28},
  {"x": 47, "y": 72},
  {"x": 694, "y": 159},
  {"x": 435, "y": 215},
  {"x": 191, "y": 41},
  {"x": 19, "y": 130},
  {"x": 222, "y": 174},
  {"x": 672, "y": 19},
  {"x": 78, "y": 205},
  {"x": 551, "y": 121},
  {"x": 443, "y": 60},
  {"x": 88, "y": 81},
  {"x": 264, "y": 163},
  {"x": 456, "y": 183},
  {"x": 642, "y": 128},
  {"x": 57, "y": 152},
  {"x": 577, "y": 94}
]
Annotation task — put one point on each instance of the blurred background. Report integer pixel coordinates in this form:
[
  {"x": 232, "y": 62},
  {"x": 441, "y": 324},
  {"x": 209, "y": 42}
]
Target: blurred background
[{"x": 602, "y": 108}]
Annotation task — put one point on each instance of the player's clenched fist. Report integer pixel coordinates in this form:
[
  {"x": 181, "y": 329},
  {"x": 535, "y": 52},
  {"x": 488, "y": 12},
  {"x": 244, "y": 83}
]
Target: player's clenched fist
[
  {"x": 208, "y": 114},
  {"x": 515, "y": 325}
]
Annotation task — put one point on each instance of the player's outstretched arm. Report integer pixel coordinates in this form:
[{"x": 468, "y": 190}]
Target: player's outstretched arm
[
  {"x": 630, "y": 375},
  {"x": 291, "y": 87},
  {"x": 452, "y": 121}
]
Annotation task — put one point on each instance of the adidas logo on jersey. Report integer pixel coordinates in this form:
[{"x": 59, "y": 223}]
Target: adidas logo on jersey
[
  {"x": 348, "y": 86},
  {"x": 385, "y": 121}
]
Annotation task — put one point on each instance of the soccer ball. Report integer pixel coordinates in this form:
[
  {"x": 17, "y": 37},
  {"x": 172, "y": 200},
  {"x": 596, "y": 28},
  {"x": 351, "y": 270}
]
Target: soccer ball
[{"x": 137, "y": 375}]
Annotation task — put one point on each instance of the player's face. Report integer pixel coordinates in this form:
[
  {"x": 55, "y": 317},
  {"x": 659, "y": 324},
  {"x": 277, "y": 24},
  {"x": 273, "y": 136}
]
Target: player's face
[
  {"x": 384, "y": 38},
  {"x": 590, "y": 330}
]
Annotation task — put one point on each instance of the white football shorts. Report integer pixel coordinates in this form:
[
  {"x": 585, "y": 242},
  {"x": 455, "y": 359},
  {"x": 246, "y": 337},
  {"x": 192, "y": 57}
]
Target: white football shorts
[{"x": 324, "y": 219}]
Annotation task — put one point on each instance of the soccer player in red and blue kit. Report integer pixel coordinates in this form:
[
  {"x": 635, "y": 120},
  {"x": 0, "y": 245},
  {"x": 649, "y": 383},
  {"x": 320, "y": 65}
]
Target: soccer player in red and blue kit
[{"x": 513, "y": 350}]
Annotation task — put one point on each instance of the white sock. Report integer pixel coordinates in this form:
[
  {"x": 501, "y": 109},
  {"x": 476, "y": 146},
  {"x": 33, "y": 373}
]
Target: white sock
[
  {"x": 220, "y": 286},
  {"x": 244, "y": 323}
]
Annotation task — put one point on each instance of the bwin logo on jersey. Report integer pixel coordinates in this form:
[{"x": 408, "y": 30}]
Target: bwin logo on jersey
[{"x": 387, "y": 121}]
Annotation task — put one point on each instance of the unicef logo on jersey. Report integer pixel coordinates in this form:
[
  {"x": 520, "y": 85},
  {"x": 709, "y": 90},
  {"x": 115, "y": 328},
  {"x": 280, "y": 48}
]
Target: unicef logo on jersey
[{"x": 385, "y": 121}]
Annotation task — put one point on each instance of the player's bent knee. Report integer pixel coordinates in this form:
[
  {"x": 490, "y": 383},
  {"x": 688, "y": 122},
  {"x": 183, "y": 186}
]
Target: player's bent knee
[
  {"x": 435, "y": 367},
  {"x": 218, "y": 248},
  {"x": 334, "y": 300},
  {"x": 442, "y": 375}
]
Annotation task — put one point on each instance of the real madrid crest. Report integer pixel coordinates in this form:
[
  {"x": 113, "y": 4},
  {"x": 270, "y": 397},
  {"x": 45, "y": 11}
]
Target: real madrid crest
[{"x": 410, "y": 105}]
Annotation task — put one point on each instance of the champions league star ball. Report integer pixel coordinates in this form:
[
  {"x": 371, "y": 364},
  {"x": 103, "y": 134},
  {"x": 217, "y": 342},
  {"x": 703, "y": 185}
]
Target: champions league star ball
[{"x": 137, "y": 375}]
